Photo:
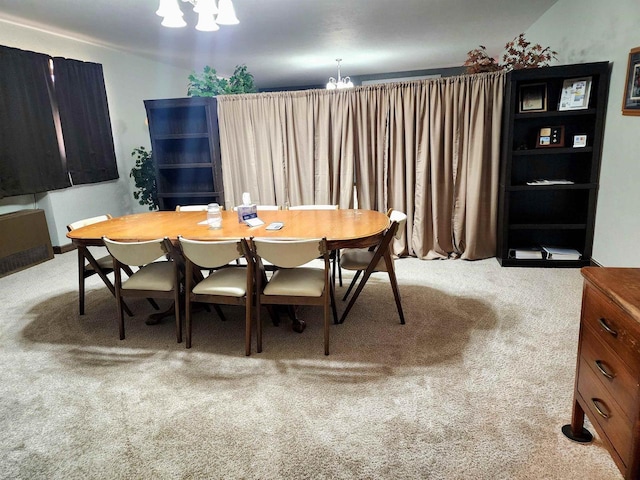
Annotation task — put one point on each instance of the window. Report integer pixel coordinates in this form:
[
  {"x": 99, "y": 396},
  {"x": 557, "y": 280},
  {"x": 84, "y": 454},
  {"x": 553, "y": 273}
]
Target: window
[{"x": 55, "y": 129}]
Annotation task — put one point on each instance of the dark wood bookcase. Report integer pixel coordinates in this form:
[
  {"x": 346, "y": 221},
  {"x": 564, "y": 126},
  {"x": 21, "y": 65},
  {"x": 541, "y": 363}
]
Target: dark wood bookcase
[
  {"x": 557, "y": 215},
  {"x": 186, "y": 150}
]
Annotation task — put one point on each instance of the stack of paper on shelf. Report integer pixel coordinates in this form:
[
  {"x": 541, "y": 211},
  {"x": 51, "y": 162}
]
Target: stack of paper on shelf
[
  {"x": 556, "y": 253},
  {"x": 550, "y": 182},
  {"x": 526, "y": 253}
]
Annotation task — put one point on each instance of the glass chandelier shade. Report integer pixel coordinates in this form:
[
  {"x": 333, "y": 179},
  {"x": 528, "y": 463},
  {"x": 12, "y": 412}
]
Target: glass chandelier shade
[
  {"x": 340, "y": 82},
  {"x": 210, "y": 15}
]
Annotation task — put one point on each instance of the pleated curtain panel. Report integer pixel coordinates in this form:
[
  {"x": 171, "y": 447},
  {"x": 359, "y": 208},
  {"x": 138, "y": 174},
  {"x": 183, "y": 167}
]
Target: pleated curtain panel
[{"x": 430, "y": 148}]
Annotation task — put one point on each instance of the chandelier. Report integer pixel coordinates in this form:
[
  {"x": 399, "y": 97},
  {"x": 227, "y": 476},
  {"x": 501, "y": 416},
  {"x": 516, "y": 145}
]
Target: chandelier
[
  {"x": 210, "y": 16},
  {"x": 340, "y": 82}
]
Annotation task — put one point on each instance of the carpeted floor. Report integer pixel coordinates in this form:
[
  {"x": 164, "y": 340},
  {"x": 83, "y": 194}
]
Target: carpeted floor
[{"x": 477, "y": 384}]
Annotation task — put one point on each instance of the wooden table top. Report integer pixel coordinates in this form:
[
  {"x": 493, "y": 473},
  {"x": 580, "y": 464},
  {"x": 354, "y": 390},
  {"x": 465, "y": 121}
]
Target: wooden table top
[{"x": 342, "y": 228}]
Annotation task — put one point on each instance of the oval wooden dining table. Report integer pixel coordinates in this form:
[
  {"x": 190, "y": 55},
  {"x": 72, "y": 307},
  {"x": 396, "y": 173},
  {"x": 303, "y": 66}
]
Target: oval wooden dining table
[{"x": 348, "y": 228}]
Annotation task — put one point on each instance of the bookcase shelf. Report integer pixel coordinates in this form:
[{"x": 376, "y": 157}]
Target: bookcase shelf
[
  {"x": 560, "y": 215},
  {"x": 186, "y": 150}
]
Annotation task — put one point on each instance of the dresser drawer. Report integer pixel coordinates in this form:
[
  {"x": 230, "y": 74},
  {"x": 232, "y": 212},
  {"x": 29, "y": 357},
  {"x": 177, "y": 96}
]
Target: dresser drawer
[
  {"x": 612, "y": 421},
  {"x": 611, "y": 372},
  {"x": 612, "y": 326}
]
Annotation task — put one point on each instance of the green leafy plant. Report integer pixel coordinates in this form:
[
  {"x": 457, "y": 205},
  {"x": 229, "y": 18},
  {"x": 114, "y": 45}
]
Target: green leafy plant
[
  {"x": 208, "y": 84},
  {"x": 144, "y": 176},
  {"x": 519, "y": 53}
]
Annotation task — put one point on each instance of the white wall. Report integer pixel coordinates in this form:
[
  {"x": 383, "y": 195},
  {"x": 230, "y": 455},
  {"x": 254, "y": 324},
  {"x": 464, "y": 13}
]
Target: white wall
[
  {"x": 129, "y": 80},
  {"x": 590, "y": 31}
]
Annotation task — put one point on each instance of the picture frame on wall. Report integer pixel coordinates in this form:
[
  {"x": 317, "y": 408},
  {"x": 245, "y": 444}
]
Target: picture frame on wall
[
  {"x": 575, "y": 94},
  {"x": 533, "y": 98},
  {"x": 631, "y": 100}
]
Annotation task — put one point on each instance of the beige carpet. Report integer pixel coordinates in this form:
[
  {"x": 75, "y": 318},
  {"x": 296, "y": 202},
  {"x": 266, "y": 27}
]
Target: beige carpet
[{"x": 476, "y": 385}]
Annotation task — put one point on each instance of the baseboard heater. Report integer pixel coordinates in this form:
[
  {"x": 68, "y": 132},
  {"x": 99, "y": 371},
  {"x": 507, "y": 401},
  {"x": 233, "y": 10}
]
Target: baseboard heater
[{"x": 24, "y": 240}]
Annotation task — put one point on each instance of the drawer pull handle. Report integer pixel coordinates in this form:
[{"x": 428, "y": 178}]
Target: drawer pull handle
[
  {"x": 600, "y": 411},
  {"x": 607, "y": 328},
  {"x": 603, "y": 370}
]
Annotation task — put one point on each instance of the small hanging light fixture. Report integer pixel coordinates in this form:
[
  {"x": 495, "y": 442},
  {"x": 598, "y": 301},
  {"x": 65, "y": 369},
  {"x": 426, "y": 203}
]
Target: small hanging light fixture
[
  {"x": 210, "y": 16},
  {"x": 339, "y": 82}
]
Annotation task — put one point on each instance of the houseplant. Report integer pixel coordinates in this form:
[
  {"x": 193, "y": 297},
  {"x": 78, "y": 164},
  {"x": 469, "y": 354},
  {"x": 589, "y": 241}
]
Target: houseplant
[
  {"x": 209, "y": 84},
  {"x": 519, "y": 53},
  {"x": 144, "y": 176}
]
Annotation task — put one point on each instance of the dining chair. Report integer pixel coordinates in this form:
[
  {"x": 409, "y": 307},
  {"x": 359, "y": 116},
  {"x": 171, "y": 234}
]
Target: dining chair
[
  {"x": 334, "y": 255},
  {"x": 263, "y": 208},
  {"x": 157, "y": 279},
  {"x": 379, "y": 259},
  {"x": 292, "y": 283},
  {"x": 194, "y": 208},
  {"x": 88, "y": 265},
  {"x": 223, "y": 285},
  {"x": 191, "y": 208}
]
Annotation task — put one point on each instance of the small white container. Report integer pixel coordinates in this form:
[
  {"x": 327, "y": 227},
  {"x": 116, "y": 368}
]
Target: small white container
[{"x": 214, "y": 216}]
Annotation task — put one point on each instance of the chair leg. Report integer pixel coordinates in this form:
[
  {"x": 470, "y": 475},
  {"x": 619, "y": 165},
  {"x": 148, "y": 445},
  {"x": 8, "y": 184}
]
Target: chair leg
[
  {"x": 247, "y": 327},
  {"x": 334, "y": 310},
  {"x": 176, "y": 300},
  {"x": 83, "y": 253},
  {"x": 361, "y": 285},
  {"x": 81, "y": 281},
  {"x": 119, "y": 302},
  {"x": 326, "y": 324},
  {"x": 218, "y": 310},
  {"x": 187, "y": 320},
  {"x": 339, "y": 267},
  {"x": 258, "y": 325},
  {"x": 394, "y": 286},
  {"x": 353, "y": 282}
]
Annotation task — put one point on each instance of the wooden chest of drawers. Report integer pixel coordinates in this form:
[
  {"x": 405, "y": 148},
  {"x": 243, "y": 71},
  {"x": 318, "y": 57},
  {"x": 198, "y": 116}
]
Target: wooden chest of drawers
[{"x": 607, "y": 387}]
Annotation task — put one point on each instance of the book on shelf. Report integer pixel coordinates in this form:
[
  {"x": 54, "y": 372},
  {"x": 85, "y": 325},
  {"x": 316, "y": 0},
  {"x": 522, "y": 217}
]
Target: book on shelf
[
  {"x": 557, "y": 253},
  {"x": 526, "y": 253}
]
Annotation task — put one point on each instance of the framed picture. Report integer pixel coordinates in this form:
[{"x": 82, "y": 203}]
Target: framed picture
[
  {"x": 579, "y": 141},
  {"x": 631, "y": 101},
  {"x": 550, "y": 137},
  {"x": 533, "y": 98},
  {"x": 575, "y": 94}
]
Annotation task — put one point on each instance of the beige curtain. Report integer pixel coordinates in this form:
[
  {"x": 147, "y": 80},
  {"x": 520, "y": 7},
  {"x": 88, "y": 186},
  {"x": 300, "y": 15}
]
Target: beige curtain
[
  {"x": 429, "y": 148},
  {"x": 288, "y": 147}
]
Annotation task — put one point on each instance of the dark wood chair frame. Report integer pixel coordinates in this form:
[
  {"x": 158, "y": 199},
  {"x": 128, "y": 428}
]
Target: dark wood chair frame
[{"x": 379, "y": 253}]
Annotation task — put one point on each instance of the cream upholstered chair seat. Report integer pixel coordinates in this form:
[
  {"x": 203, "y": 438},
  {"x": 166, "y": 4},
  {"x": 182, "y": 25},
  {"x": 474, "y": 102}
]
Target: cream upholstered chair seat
[
  {"x": 231, "y": 282},
  {"x": 297, "y": 282},
  {"x": 156, "y": 276},
  {"x": 225, "y": 284},
  {"x": 157, "y": 279},
  {"x": 105, "y": 263},
  {"x": 359, "y": 259}
]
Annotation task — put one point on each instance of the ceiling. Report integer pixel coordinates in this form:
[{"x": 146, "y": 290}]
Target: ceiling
[{"x": 294, "y": 42}]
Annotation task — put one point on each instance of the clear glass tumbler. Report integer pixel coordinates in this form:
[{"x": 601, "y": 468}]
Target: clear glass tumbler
[{"x": 214, "y": 215}]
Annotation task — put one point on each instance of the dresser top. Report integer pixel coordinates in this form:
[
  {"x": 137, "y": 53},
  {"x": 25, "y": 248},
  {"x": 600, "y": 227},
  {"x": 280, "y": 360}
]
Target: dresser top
[{"x": 622, "y": 285}]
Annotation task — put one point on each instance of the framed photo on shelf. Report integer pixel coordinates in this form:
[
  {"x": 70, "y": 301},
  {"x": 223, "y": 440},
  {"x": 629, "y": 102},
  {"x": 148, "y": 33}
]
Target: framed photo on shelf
[
  {"x": 631, "y": 101},
  {"x": 575, "y": 94},
  {"x": 550, "y": 137},
  {"x": 533, "y": 98},
  {"x": 579, "y": 141}
]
